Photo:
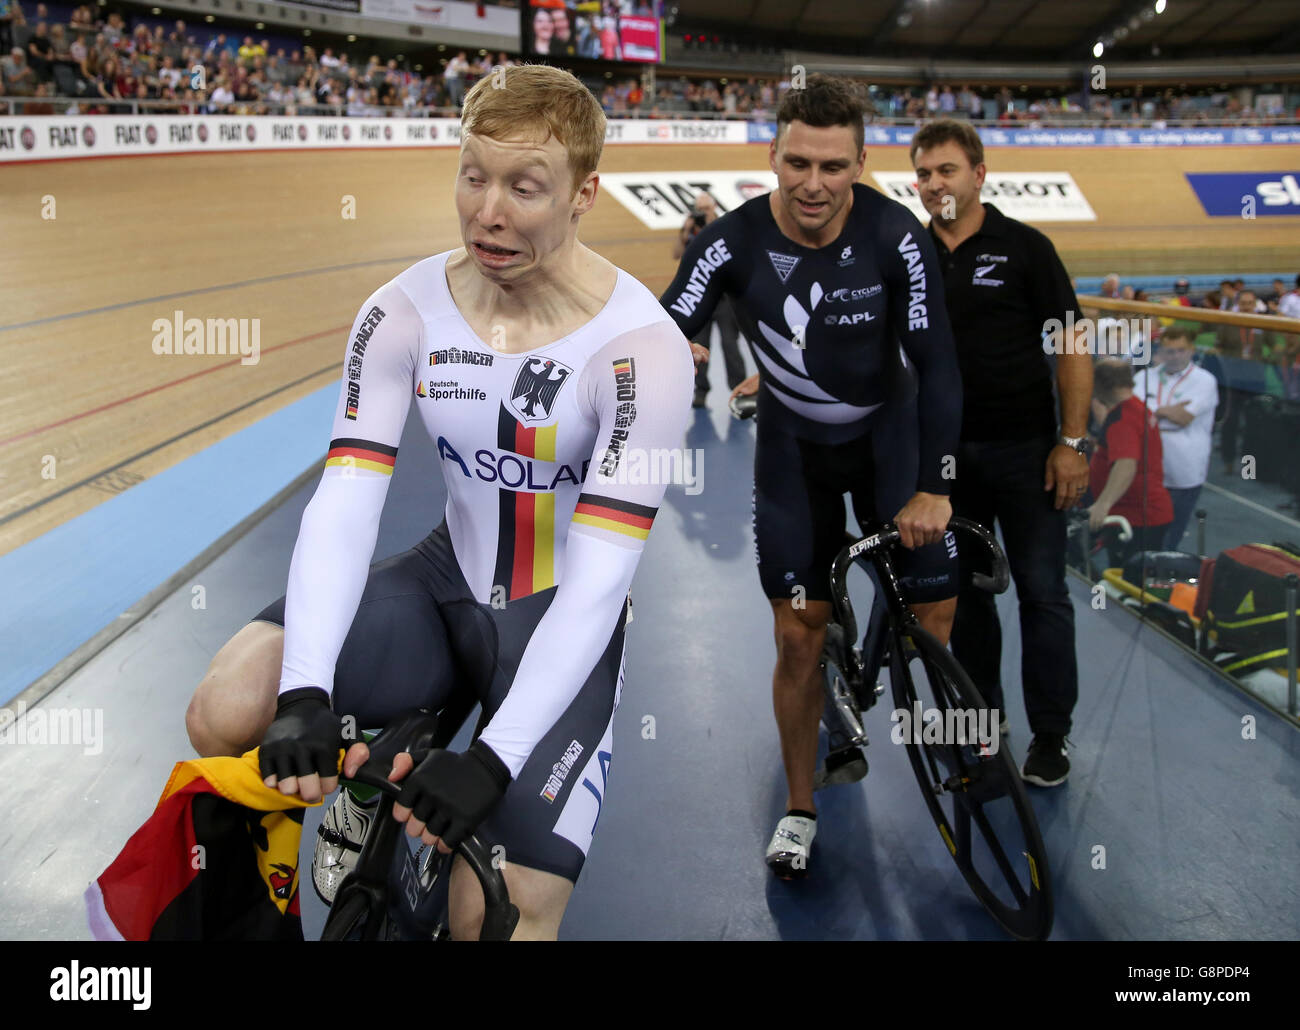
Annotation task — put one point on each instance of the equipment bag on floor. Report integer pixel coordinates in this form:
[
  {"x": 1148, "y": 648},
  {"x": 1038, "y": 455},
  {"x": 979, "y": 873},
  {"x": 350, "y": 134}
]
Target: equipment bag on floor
[{"x": 1247, "y": 606}]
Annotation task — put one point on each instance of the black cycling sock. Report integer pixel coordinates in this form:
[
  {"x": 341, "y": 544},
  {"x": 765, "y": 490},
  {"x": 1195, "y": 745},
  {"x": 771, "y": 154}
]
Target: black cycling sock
[{"x": 802, "y": 813}]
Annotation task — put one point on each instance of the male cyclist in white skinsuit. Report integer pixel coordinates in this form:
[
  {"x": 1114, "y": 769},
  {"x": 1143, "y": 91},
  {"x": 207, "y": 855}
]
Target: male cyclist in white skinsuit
[{"x": 539, "y": 369}]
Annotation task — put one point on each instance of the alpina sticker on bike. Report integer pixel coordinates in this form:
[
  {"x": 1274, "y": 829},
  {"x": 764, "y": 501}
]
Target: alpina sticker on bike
[
  {"x": 560, "y": 771},
  {"x": 782, "y": 264},
  {"x": 536, "y": 386}
]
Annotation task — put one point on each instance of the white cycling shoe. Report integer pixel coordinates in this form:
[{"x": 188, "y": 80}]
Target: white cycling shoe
[
  {"x": 338, "y": 844},
  {"x": 787, "y": 854}
]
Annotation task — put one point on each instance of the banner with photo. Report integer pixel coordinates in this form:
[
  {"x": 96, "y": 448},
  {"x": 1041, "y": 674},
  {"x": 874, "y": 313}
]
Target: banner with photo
[
  {"x": 598, "y": 30},
  {"x": 446, "y": 14}
]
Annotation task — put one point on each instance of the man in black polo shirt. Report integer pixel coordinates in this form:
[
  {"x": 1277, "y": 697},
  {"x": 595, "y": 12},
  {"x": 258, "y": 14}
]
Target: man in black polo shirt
[{"x": 1004, "y": 283}]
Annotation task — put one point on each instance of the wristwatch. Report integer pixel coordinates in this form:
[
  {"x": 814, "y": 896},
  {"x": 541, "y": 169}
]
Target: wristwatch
[{"x": 1078, "y": 443}]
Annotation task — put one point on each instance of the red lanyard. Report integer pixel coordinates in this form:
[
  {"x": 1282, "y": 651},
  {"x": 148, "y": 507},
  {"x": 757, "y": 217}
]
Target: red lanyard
[{"x": 1160, "y": 387}]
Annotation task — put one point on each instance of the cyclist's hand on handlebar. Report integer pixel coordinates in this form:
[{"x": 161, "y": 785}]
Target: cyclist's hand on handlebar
[
  {"x": 300, "y": 751},
  {"x": 1067, "y": 474},
  {"x": 359, "y": 754},
  {"x": 923, "y": 520},
  {"x": 448, "y": 795},
  {"x": 747, "y": 387}
]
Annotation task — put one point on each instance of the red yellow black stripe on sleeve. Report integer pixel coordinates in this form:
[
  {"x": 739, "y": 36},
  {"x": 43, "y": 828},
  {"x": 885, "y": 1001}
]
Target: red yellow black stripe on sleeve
[
  {"x": 618, "y": 516},
  {"x": 361, "y": 454}
]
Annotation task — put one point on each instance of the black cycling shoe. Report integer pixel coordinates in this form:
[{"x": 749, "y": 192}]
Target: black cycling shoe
[{"x": 1046, "y": 765}]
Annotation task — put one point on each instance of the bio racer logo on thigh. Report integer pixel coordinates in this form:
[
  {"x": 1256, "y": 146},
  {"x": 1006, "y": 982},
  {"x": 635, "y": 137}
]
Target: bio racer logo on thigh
[{"x": 560, "y": 772}]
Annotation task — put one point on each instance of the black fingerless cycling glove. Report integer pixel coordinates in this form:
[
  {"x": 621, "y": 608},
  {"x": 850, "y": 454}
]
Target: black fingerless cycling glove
[
  {"x": 452, "y": 793},
  {"x": 305, "y": 737}
]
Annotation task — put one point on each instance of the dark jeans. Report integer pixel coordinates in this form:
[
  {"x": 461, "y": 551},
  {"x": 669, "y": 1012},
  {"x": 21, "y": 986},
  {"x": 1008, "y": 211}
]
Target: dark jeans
[
  {"x": 725, "y": 319},
  {"x": 1230, "y": 427},
  {"x": 1003, "y": 481},
  {"x": 1184, "y": 503}
]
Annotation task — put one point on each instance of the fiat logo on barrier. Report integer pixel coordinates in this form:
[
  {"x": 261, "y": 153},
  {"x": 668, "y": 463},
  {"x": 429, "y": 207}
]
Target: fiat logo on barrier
[
  {"x": 151, "y": 134},
  {"x": 203, "y": 133},
  {"x": 88, "y": 135}
]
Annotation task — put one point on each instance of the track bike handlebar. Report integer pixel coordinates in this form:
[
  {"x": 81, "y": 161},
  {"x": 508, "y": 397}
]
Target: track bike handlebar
[{"x": 413, "y": 732}]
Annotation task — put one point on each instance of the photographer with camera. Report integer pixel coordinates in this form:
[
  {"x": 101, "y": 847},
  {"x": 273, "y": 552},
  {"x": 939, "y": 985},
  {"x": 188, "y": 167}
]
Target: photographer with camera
[{"x": 704, "y": 211}]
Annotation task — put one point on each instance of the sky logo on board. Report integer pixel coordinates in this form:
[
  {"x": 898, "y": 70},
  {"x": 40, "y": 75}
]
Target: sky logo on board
[{"x": 1247, "y": 194}]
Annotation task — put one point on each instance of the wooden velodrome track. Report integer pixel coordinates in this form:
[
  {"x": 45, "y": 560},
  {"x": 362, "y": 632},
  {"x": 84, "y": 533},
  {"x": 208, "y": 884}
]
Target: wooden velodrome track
[{"x": 262, "y": 236}]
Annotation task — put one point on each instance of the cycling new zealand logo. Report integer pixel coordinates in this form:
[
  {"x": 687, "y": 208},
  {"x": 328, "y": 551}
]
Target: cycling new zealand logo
[{"x": 535, "y": 388}]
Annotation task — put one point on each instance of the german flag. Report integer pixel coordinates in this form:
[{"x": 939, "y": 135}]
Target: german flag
[
  {"x": 217, "y": 861},
  {"x": 617, "y": 516},
  {"x": 361, "y": 454},
  {"x": 526, "y": 521}
]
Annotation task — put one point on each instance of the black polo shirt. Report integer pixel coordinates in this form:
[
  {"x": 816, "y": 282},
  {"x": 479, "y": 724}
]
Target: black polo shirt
[{"x": 1001, "y": 286}]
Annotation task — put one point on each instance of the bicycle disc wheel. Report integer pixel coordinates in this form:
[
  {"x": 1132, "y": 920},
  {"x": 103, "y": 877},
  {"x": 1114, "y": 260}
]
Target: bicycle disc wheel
[{"x": 977, "y": 799}]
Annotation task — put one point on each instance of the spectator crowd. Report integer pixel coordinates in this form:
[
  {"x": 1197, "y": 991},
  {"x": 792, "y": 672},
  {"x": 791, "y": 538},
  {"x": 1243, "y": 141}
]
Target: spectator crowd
[{"x": 98, "y": 61}]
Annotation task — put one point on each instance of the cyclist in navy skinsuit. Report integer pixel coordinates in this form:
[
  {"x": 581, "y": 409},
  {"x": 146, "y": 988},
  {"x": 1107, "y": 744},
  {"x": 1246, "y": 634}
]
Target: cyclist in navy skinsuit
[{"x": 838, "y": 289}]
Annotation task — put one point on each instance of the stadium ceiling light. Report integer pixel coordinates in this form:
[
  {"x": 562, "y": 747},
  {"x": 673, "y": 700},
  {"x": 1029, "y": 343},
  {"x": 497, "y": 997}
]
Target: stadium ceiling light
[
  {"x": 1098, "y": 49},
  {"x": 260, "y": 26},
  {"x": 352, "y": 38},
  {"x": 155, "y": 10},
  {"x": 1160, "y": 6},
  {"x": 209, "y": 18}
]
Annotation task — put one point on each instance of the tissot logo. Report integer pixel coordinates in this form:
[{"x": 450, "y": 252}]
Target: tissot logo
[{"x": 535, "y": 388}]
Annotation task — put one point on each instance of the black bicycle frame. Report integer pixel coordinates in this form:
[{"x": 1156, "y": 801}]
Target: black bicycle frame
[{"x": 877, "y": 547}]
